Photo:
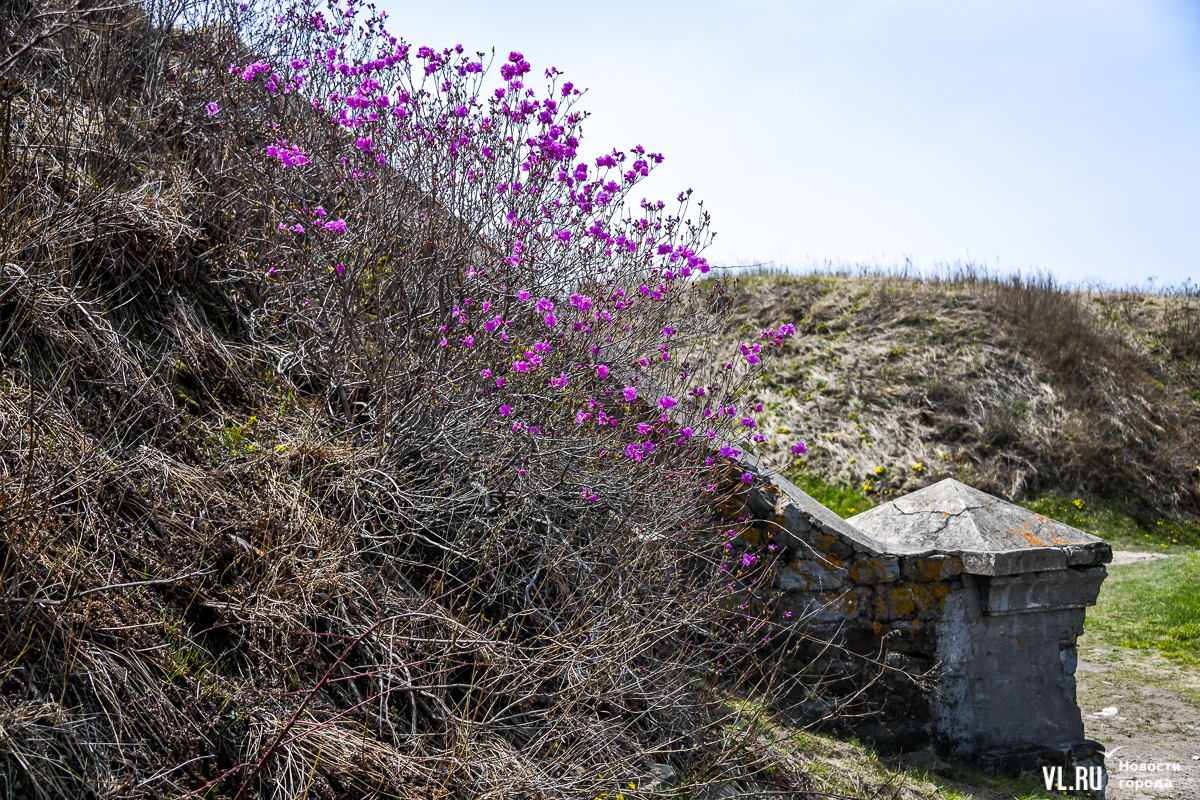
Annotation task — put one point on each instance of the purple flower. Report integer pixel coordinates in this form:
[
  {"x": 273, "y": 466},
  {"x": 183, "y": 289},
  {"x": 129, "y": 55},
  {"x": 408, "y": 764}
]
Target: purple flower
[
  {"x": 523, "y": 295},
  {"x": 545, "y": 305},
  {"x": 602, "y": 371},
  {"x": 341, "y": 268},
  {"x": 643, "y": 428},
  {"x": 630, "y": 394},
  {"x": 729, "y": 452},
  {"x": 550, "y": 320},
  {"x": 800, "y": 447},
  {"x": 212, "y": 109},
  {"x": 685, "y": 433},
  {"x": 487, "y": 373},
  {"x": 338, "y": 225},
  {"x": 748, "y": 559},
  {"x": 505, "y": 411},
  {"x": 747, "y": 477},
  {"x": 666, "y": 403}
]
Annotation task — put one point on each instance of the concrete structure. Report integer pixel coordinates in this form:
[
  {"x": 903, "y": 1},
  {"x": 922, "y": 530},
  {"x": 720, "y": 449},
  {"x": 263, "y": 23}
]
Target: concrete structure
[{"x": 954, "y": 617}]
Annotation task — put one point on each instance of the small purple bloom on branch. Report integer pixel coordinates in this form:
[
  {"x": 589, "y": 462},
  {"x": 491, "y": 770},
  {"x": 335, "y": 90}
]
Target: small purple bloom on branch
[
  {"x": 800, "y": 447},
  {"x": 505, "y": 411},
  {"x": 212, "y": 109},
  {"x": 747, "y": 477}
]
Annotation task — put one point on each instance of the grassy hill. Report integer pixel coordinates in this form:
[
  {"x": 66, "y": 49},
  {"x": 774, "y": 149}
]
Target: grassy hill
[
  {"x": 257, "y": 544},
  {"x": 1084, "y": 405}
]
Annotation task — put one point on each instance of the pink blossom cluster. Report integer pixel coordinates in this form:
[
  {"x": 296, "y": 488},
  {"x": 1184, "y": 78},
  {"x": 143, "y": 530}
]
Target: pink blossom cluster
[{"x": 569, "y": 298}]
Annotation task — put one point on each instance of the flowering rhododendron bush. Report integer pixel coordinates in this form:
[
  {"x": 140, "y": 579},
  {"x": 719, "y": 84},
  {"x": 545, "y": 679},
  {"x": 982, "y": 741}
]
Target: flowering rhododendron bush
[{"x": 396, "y": 426}]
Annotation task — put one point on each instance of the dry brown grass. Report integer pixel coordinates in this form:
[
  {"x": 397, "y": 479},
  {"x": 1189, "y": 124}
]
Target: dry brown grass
[
  {"x": 220, "y": 576},
  {"x": 1018, "y": 386}
]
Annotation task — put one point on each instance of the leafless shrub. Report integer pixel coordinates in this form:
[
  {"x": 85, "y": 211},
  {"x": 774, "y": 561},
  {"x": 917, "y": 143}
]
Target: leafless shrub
[{"x": 269, "y": 530}]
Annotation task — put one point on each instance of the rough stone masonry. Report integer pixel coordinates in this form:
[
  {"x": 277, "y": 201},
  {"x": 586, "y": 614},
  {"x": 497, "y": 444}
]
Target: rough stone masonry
[{"x": 954, "y": 617}]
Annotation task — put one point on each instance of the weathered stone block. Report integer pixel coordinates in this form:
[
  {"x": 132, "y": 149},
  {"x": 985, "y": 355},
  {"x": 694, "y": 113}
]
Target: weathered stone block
[
  {"x": 804, "y": 575},
  {"x": 762, "y": 501},
  {"x": 1087, "y": 554},
  {"x": 907, "y": 636},
  {"x": 870, "y": 570},
  {"x": 1012, "y": 562},
  {"x": 907, "y": 600},
  {"x": 822, "y": 546},
  {"x": 844, "y": 606},
  {"x": 1040, "y": 591},
  {"x": 931, "y": 568}
]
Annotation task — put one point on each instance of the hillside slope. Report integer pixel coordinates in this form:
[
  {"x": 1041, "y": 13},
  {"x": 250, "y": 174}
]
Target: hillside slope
[{"x": 1021, "y": 388}]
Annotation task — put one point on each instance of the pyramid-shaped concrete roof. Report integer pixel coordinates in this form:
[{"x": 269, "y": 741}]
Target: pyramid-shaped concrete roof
[{"x": 994, "y": 536}]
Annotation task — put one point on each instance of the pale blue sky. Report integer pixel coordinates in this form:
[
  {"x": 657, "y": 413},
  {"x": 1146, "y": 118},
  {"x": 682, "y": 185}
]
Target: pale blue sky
[{"x": 1024, "y": 134}]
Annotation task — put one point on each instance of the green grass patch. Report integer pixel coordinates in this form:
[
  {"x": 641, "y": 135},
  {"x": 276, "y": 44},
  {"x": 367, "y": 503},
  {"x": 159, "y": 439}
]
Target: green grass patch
[
  {"x": 1154, "y": 605},
  {"x": 1114, "y": 524},
  {"x": 843, "y": 500}
]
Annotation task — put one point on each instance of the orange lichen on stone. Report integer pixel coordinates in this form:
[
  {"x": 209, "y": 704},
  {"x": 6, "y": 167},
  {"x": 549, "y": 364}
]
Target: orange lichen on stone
[
  {"x": 932, "y": 568},
  {"x": 930, "y": 599},
  {"x": 875, "y": 569},
  {"x": 895, "y": 602},
  {"x": 908, "y": 600}
]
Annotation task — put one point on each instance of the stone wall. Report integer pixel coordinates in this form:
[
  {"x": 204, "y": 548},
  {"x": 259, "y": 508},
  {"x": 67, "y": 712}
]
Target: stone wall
[{"x": 953, "y": 618}]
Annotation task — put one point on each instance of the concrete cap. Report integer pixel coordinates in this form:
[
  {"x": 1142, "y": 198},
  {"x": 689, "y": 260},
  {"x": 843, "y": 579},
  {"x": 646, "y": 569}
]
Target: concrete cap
[{"x": 993, "y": 536}]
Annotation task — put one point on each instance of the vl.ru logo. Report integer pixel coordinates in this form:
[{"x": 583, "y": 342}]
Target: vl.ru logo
[{"x": 1087, "y": 779}]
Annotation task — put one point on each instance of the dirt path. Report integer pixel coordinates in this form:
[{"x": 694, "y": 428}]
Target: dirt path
[{"x": 1145, "y": 709}]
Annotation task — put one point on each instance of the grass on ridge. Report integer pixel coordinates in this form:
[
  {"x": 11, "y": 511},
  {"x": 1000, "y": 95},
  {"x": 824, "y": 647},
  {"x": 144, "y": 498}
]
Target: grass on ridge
[
  {"x": 1152, "y": 605},
  {"x": 845, "y": 501}
]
